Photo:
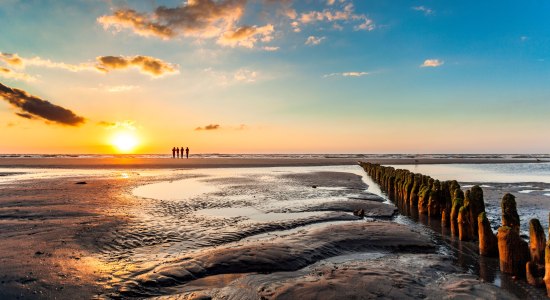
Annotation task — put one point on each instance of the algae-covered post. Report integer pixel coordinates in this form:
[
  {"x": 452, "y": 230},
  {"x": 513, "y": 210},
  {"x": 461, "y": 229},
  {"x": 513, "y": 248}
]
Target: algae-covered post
[
  {"x": 464, "y": 233},
  {"x": 537, "y": 242},
  {"x": 513, "y": 251},
  {"x": 510, "y": 215},
  {"x": 477, "y": 205},
  {"x": 488, "y": 243},
  {"x": 547, "y": 265},
  {"x": 458, "y": 201}
]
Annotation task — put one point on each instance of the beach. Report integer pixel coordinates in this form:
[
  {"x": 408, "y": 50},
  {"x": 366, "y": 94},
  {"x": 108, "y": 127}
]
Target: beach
[{"x": 233, "y": 228}]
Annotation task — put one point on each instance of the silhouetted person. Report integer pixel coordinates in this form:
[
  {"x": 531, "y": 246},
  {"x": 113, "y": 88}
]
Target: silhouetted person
[
  {"x": 173, "y": 152},
  {"x": 182, "y": 152},
  {"x": 186, "y": 152},
  {"x": 178, "y": 152}
]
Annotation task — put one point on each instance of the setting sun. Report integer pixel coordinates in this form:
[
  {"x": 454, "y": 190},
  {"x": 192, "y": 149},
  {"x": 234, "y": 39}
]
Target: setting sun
[{"x": 124, "y": 141}]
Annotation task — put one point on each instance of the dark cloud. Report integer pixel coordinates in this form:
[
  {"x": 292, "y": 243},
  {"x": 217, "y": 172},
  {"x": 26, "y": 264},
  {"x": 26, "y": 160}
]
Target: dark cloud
[
  {"x": 106, "y": 124},
  {"x": 209, "y": 127},
  {"x": 25, "y": 115},
  {"x": 32, "y": 107},
  {"x": 150, "y": 65}
]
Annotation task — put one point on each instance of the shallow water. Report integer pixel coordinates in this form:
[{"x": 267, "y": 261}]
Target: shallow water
[{"x": 502, "y": 173}]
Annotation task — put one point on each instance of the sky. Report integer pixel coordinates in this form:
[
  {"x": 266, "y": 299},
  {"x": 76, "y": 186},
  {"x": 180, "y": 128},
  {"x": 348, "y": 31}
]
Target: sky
[{"x": 274, "y": 76}]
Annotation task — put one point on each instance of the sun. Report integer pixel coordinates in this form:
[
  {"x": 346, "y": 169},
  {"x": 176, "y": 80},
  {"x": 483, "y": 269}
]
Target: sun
[{"x": 124, "y": 142}]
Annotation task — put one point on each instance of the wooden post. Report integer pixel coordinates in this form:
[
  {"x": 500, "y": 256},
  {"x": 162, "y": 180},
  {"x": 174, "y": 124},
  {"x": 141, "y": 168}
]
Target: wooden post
[
  {"x": 463, "y": 221},
  {"x": 537, "y": 241},
  {"x": 488, "y": 243},
  {"x": 547, "y": 264},
  {"x": 457, "y": 204},
  {"x": 513, "y": 251},
  {"x": 474, "y": 200},
  {"x": 510, "y": 217}
]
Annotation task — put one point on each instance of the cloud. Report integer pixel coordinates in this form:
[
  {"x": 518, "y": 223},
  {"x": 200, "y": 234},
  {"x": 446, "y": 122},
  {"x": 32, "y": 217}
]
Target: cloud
[
  {"x": 425, "y": 10},
  {"x": 25, "y": 115},
  {"x": 11, "y": 59},
  {"x": 226, "y": 78},
  {"x": 314, "y": 41},
  {"x": 209, "y": 127},
  {"x": 347, "y": 74},
  {"x": 126, "y": 124},
  {"x": 271, "y": 49},
  {"x": 345, "y": 15},
  {"x": 432, "y": 63},
  {"x": 10, "y": 74},
  {"x": 146, "y": 64},
  {"x": 245, "y": 75},
  {"x": 34, "y": 107},
  {"x": 201, "y": 19},
  {"x": 116, "y": 88},
  {"x": 247, "y": 36}
]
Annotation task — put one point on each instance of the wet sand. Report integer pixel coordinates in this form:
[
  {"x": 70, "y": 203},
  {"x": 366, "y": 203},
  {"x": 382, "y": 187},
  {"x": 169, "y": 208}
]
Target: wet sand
[{"x": 295, "y": 236}]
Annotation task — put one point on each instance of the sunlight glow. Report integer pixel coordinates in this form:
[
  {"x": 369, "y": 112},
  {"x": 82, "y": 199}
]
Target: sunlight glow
[{"x": 124, "y": 142}]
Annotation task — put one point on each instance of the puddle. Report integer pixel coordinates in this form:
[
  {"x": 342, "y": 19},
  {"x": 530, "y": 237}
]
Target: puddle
[
  {"x": 256, "y": 215},
  {"x": 175, "y": 190}
]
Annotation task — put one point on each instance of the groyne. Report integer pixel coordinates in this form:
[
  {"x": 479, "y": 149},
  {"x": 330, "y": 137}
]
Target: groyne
[{"x": 463, "y": 212}]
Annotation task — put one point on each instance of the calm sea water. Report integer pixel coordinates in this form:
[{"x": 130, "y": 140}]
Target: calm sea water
[{"x": 297, "y": 155}]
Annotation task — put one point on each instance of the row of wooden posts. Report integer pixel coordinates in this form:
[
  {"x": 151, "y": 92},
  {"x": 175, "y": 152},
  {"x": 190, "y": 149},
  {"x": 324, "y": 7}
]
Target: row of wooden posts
[{"x": 464, "y": 213}]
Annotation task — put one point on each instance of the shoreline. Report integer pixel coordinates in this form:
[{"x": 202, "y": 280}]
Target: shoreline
[{"x": 192, "y": 163}]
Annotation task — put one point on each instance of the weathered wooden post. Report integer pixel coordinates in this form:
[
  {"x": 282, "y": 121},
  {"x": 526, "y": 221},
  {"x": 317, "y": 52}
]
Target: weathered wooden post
[
  {"x": 488, "y": 243},
  {"x": 510, "y": 217},
  {"x": 474, "y": 200},
  {"x": 513, "y": 251},
  {"x": 464, "y": 227}
]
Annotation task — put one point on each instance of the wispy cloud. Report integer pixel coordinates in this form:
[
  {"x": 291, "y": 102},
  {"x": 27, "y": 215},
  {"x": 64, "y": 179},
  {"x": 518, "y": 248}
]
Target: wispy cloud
[
  {"x": 346, "y": 74},
  {"x": 11, "y": 59},
  {"x": 425, "y": 10},
  {"x": 148, "y": 65},
  {"x": 11, "y": 74},
  {"x": 32, "y": 107},
  {"x": 245, "y": 75},
  {"x": 345, "y": 15},
  {"x": 270, "y": 48},
  {"x": 432, "y": 63},
  {"x": 247, "y": 36},
  {"x": 119, "y": 88},
  {"x": 314, "y": 41},
  {"x": 208, "y": 127},
  {"x": 239, "y": 76},
  {"x": 126, "y": 125}
]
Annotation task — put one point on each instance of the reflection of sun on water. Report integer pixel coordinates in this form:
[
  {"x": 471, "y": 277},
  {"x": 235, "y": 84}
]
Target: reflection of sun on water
[{"x": 124, "y": 142}]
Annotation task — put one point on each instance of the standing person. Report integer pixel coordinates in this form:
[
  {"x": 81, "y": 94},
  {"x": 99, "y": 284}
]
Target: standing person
[
  {"x": 181, "y": 152},
  {"x": 186, "y": 152},
  {"x": 173, "y": 152},
  {"x": 178, "y": 152}
]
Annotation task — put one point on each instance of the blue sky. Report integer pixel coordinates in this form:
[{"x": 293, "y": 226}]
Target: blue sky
[{"x": 305, "y": 76}]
